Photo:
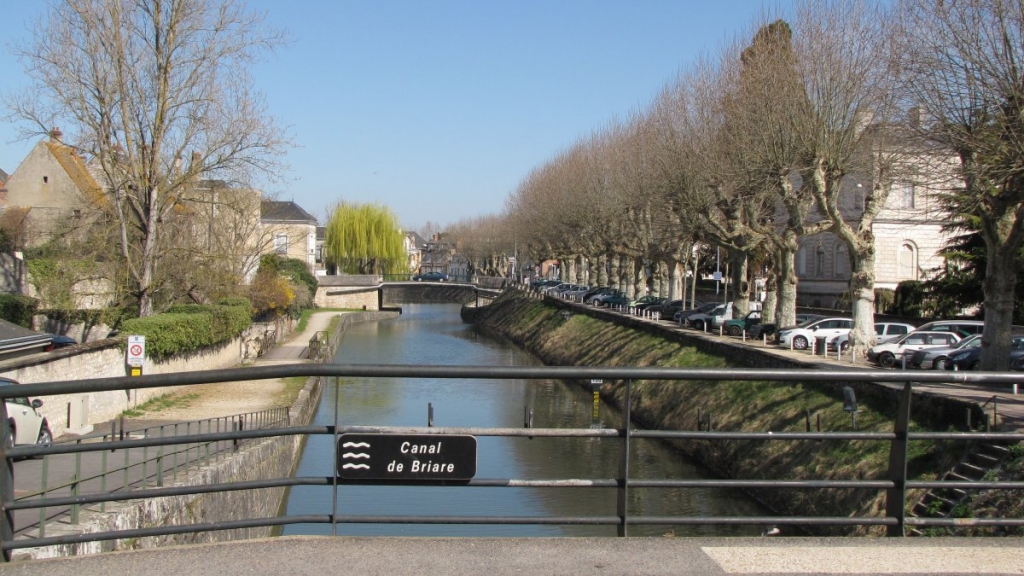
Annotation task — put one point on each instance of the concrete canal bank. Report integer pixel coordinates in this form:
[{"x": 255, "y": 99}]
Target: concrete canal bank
[{"x": 563, "y": 334}]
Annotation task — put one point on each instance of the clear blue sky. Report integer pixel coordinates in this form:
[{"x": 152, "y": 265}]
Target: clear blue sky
[{"x": 438, "y": 109}]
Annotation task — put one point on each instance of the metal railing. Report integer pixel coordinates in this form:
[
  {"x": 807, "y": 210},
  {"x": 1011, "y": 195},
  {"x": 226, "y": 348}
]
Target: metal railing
[
  {"x": 894, "y": 483},
  {"x": 137, "y": 468}
]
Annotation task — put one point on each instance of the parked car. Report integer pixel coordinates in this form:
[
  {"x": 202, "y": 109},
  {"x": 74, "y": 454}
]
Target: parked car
[
  {"x": 884, "y": 332},
  {"x": 770, "y": 328},
  {"x": 645, "y": 301},
  {"x": 801, "y": 336},
  {"x": 936, "y": 357},
  {"x": 666, "y": 309},
  {"x": 737, "y": 326},
  {"x": 28, "y": 426},
  {"x": 712, "y": 319},
  {"x": 573, "y": 290},
  {"x": 891, "y": 353},
  {"x": 60, "y": 342},
  {"x": 970, "y": 358},
  {"x": 617, "y": 300},
  {"x": 595, "y": 290},
  {"x": 431, "y": 277},
  {"x": 695, "y": 308},
  {"x": 600, "y": 298},
  {"x": 962, "y": 328}
]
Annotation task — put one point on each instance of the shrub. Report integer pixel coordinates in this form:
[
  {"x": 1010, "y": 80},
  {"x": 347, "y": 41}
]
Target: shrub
[
  {"x": 18, "y": 309},
  {"x": 909, "y": 299},
  {"x": 188, "y": 327}
]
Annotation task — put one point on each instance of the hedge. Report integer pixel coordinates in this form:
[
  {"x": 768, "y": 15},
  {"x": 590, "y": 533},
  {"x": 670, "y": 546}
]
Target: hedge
[
  {"x": 187, "y": 328},
  {"x": 18, "y": 309}
]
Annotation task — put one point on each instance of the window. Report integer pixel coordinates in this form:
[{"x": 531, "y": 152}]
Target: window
[
  {"x": 906, "y": 259},
  {"x": 819, "y": 261},
  {"x": 842, "y": 259},
  {"x": 281, "y": 243},
  {"x": 801, "y": 262},
  {"x": 46, "y": 179},
  {"x": 905, "y": 194}
]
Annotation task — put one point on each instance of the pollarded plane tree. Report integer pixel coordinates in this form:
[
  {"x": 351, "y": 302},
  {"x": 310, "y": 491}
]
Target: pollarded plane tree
[
  {"x": 763, "y": 103},
  {"x": 963, "y": 63},
  {"x": 140, "y": 84},
  {"x": 851, "y": 99}
]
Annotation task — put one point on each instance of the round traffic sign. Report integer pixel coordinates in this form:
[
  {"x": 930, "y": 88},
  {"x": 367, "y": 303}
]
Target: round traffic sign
[{"x": 135, "y": 350}]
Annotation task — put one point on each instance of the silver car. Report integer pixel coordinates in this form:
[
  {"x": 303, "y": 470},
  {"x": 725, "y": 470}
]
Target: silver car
[
  {"x": 27, "y": 425},
  {"x": 936, "y": 357}
]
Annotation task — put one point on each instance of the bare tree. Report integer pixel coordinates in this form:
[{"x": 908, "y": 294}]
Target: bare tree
[
  {"x": 847, "y": 85},
  {"x": 142, "y": 84},
  {"x": 964, "y": 65}
]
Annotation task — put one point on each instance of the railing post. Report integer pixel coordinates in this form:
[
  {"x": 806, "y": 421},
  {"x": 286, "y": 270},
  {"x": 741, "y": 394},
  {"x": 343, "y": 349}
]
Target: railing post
[
  {"x": 896, "y": 497},
  {"x": 622, "y": 500},
  {"x": 6, "y": 483}
]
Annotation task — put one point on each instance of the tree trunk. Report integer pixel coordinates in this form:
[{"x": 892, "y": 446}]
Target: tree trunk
[
  {"x": 741, "y": 292},
  {"x": 862, "y": 292},
  {"x": 999, "y": 285},
  {"x": 786, "y": 309}
]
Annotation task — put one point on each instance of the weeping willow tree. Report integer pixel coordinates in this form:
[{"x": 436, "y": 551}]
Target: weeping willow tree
[{"x": 364, "y": 239}]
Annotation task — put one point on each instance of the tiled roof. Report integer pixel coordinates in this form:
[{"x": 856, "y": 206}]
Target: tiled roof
[
  {"x": 77, "y": 171},
  {"x": 284, "y": 212}
]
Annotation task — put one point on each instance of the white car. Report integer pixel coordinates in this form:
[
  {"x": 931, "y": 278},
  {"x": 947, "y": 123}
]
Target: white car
[
  {"x": 801, "y": 336},
  {"x": 884, "y": 332},
  {"x": 889, "y": 354},
  {"x": 27, "y": 425},
  {"x": 711, "y": 319}
]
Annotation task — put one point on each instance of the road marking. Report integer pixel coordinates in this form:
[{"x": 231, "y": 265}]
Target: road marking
[{"x": 869, "y": 559}]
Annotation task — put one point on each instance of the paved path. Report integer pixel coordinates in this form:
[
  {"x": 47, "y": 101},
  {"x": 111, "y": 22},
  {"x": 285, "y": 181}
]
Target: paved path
[{"x": 320, "y": 556}]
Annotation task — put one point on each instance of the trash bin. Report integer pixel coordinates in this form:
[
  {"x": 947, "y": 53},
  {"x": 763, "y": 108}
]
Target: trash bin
[{"x": 820, "y": 347}]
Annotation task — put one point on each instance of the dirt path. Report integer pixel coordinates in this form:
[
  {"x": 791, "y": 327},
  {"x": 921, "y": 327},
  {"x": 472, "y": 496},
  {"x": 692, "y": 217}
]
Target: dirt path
[{"x": 204, "y": 401}]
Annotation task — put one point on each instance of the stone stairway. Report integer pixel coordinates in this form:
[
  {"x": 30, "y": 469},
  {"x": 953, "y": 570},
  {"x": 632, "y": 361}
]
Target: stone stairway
[{"x": 980, "y": 459}]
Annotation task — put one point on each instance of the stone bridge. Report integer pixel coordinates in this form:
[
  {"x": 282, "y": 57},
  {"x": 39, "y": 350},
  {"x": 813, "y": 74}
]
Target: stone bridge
[{"x": 374, "y": 292}]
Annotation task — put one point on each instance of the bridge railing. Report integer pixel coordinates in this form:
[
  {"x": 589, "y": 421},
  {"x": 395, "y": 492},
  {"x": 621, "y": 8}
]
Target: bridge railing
[{"x": 894, "y": 483}]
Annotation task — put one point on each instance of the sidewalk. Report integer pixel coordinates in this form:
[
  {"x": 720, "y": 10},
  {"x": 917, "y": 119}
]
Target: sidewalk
[
  {"x": 316, "y": 556},
  {"x": 292, "y": 350}
]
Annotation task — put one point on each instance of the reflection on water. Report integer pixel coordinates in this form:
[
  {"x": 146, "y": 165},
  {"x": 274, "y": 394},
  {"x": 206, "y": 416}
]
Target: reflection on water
[{"x": 434, "y": 334}]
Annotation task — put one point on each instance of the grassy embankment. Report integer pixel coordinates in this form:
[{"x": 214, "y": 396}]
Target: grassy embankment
[{"x": 732, "y": 406}]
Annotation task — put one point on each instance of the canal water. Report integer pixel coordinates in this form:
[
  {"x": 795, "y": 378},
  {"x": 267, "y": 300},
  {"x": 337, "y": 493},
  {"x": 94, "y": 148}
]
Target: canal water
[{"x": 435, "y": 334}]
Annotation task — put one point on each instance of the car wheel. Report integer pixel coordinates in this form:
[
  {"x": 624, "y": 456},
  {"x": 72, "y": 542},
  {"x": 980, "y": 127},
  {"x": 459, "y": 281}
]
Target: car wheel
[
  {"x": 800, "y": 343},
  {"x": 886, "y": 360},
  {"x": 844, "y": 347},
  {"x": 735, "y": 331},
  {"x": 976, "y": 365},
  {"x": 699, "y": 325},
  {"x": 939, "y": 364},
  {"x": 45, "y": 436}
]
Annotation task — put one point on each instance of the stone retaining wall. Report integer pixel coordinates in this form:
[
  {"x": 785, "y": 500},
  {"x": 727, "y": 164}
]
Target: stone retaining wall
[
  {"x": 106, "y": 359},
  {"x": 276, "y": 457}
]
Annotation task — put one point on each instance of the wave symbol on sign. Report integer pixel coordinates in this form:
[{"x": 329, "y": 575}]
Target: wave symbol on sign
[
  {"x": 355, "y": 445},
  {"x": 355, "y": 466},
  {"x": 355, "y": 455}
]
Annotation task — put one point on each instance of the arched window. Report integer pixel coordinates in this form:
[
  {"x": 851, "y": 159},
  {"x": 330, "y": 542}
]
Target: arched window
[
  {"x": 907, "y": 261},
  {"x": 819, "y": 261},
  {"x": 842, "y": 261}
]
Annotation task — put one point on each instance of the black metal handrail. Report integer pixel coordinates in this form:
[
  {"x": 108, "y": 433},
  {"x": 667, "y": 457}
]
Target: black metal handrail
[{"x": 895, "y": 483}]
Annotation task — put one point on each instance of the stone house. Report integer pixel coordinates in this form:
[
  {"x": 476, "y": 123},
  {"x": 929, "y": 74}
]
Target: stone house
[
  {"x": 292, "y": 232},
  {"x": 908, "y": 232},
  {"x": 54, "y": 184}
]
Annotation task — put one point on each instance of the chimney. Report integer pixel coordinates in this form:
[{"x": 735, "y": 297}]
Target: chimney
[
  {"x": 55, "y": 134},
  {"x": 917, "y": 116}
]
